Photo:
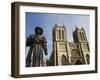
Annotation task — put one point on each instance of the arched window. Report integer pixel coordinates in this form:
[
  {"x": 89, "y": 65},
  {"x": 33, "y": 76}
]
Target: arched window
[
  {"x": 59, "y": 34},
  {"x": 64, "y": 60},
  {"x": 88, "y": 58},
  {"x": 74, "y": 53},
  {"x": 78, "y": 62},
  {"x": 83, "y": 36},
  {"x": 62, "y": 34}
]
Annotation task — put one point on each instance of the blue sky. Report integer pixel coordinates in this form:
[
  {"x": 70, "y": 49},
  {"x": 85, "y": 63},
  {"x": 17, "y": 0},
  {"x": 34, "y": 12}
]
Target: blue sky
[{"x": 48, "y": 20}]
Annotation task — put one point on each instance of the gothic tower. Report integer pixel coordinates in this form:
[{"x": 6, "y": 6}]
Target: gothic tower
[
  {"x": 60, "y": 45},
  {"x": 80, "y": 38}
]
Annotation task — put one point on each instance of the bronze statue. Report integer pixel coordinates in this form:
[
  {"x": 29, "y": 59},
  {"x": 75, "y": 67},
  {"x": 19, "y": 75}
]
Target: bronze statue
[{"x": 38, "y": 45}]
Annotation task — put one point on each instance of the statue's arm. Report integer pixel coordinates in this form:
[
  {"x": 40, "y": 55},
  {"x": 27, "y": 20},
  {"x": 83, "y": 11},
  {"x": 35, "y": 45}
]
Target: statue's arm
[{"x": 29, "y": 40}]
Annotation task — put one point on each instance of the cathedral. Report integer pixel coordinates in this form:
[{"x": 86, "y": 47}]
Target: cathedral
[{"x": 69, "y": 53}]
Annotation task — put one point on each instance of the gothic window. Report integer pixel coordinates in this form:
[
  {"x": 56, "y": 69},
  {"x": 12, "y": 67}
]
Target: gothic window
[
  {"x": 59, "y": 34},
  {"x": 83, "y": 36},
  {"x": 62, "y": 34},
  {"x": 87, "y": 58},
  {"x": 74, "y": 53},
  {"x": 64, "y": 60}
]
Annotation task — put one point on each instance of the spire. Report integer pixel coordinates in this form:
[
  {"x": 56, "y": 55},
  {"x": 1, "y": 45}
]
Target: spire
[
  {"x": 82, "y": 28},
  {"x": 76, "y": 28},
  {"x": 56, "y": 25},
  {"x": 63, "y": 25}
]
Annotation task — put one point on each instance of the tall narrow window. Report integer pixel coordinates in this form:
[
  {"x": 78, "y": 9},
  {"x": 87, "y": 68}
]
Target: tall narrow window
[
  {"x": 62, "y": 34},
  {"x": 64, "y": 60},
  {"x": 87, "y": 58},
  {"x": 59, "y": 34},
  {"x": 83, "y": 36}
]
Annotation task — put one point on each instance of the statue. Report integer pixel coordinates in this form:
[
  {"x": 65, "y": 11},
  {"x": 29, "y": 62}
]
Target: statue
[{"x": 38, "y": 45}]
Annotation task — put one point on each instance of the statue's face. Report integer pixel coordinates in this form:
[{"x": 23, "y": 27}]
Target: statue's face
[{"x": 39, "y": 31}]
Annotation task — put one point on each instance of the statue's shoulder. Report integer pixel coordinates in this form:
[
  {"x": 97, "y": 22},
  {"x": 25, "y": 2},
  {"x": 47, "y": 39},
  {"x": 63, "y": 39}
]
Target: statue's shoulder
[
  {"x": 44, "y": 38},
  {"x": 31, "y": 36}
]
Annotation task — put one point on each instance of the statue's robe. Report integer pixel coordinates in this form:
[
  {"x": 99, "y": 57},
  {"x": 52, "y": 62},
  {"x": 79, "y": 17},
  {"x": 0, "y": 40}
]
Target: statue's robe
[{"x": 38, "y": 46}]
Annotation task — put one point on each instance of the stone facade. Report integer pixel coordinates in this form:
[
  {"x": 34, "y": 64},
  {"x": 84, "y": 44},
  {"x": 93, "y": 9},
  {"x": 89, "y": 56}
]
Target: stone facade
[{"x": 69, "y": 53}]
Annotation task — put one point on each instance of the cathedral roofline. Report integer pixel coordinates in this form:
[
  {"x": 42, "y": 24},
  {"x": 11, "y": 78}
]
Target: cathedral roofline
[
  {"x": 79, "y": 28},
  {"x": 60, "y": 26}
]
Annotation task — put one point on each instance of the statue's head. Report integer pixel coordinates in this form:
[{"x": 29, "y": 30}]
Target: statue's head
[{"x": 38, "y": 31}]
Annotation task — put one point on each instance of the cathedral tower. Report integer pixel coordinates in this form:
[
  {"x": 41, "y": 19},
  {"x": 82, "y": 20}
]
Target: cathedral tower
[
  {"x": 60, "y": 45},
  {"x": 80, "y": 38}
]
